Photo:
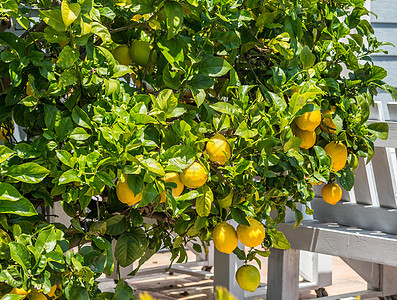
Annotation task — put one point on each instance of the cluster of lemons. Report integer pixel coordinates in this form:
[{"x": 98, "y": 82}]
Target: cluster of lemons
[
  {"x": 306, "y": 126},
  {"x": 35, "y": 294},
  {"x": 193, "y": 177},
  {"x": 226, "y": 238},
  {"x": 138, "y": 52}
]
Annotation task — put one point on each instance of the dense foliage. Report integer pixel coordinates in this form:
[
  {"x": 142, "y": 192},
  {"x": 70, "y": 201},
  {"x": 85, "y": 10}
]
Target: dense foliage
[{"x": 243, "y": 68}]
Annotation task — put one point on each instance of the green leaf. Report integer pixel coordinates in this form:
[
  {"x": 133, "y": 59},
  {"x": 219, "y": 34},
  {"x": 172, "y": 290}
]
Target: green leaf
[
  {"x": 22, "y": 207},
  {"x": 100, "y": 31},
  {"x": 10, "y": 39},
  {"x": 128, "y": 249},
  {"x": 279, "y": 101},
  {"x": 20, "y": 254},
  {"x": 120, "y": 70},
  {"x": 307, "y": 58},
  {"x": 123, "y": 291},
  {"x": 69, "y": 176},
  {"x": 199, "y": 96},
  {"x": 116, "y": 225},
  {"x": 239, "y": 216},
  {"x": 172, "y": 50},
  {"x": 166, "y": 100},
  {"x": 5, "y": 153},
  {"x": 226, "y": 108},
  {"x": 70, "y": 12},
  {"x": 201, "y": 81},
  {"x": 279, "y": 240},
  {"x": 80, "y": 117},
  {"x": 213, "y": 66},
  {"x": 174, "y": 13},
  {"x": 321, "y": 155},
  {"x": 53, "y": 18},
  {"x": 346, "y": 179},
  {"x": 379, "y": 129},
  {"x": 203, "y": 203},
  {"x": 298, "y": 217},
  {"x": 28, "y": 172},
  {"x": 63, "y": 128},
  {"x": 79, "y": 134},
  {"x": 68, "y": 77},
  {"x": 11, "y": 201},
  {"x": 13, "y": 297},
  {"x": 51, "y": 114},
  {"x": 152, "y": 165},
  {"x": 108, "y": 56},
  {"x": 179, "y": 156},
  {"x": 239, "y": 253},
  {"x": 46, "y": 240},
  {"x": 54, "y": 36},
  {"x": 68, "y": 57},
  {"x": 65, "y": 157}
]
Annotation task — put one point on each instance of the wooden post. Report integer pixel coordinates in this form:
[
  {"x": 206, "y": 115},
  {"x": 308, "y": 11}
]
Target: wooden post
[
  {"x": 283, "y": 275},
  {"x": 225, "y": 268}
]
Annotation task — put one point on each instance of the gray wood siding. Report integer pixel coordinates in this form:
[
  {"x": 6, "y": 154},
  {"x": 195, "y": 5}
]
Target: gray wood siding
[
  {"x": 386, "y": 11},
  {"x": 385, "y": 25}
]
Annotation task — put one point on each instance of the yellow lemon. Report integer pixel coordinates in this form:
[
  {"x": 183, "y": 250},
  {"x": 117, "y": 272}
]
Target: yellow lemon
[
  {"x": 331, "y": 193},
  {"x": 122, "y": 54},
  {"x": 308, "y": 138},
  {"x": 253, "y": 235},
  {"x": 173, "y": 177},
  {"x": 328, "y": 126},
  {"x": 125, "y": 194},
  {"x": 227, "y": 201},
  {"x": 146, "y": 296},
  {"x": 52, "y": 291},
  {"x": 36, "y": 295},
  {"x": 338, "y": 153},
  {"x": 248, "y": 278},
  {"x": 140, "y": 51},
  {"x": 309, "y": 121},
  {"x": 194, "y": 176},
  {"x": 225, "y": 237},
  {"x": 218, "y": 149},
  {"x": 28, "y": 90},
  {"x": 4, "y": 132}
]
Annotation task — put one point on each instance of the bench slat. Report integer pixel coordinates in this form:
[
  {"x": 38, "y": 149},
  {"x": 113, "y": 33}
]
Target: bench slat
[
  {"x": 338, "y": 240},
  {"x": 368, "y": 217}
]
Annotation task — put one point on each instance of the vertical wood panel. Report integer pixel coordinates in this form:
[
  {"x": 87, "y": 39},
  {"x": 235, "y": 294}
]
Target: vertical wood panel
[
  {"x": 362, "y": 185},
  {"x": 381, "y": 166},
  {"x": 283, "y": 284}
]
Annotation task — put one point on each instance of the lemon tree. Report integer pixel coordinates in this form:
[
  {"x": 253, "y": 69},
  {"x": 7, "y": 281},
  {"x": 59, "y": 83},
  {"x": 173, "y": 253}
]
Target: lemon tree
[{"x": 193, "y": 113}]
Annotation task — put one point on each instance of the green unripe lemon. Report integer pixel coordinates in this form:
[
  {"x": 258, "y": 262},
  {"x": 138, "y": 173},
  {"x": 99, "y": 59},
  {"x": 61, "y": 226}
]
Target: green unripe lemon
[
  {"x": 248, "y": 278},
  {"x": 140, "y": 51},
  {"x": 122, "y": 54}
]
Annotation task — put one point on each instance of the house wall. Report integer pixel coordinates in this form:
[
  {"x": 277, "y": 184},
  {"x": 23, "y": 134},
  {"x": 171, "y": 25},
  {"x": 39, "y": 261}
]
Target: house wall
[{"x": 384, "y": 22}]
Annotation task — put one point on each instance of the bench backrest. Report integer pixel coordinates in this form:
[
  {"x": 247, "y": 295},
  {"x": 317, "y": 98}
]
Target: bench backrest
[{"x": 372, "y": 203}]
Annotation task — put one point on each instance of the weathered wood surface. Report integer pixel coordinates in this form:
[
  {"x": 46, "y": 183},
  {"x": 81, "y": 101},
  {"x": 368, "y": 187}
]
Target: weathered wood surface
[
  {"x": 284, "y": 280},
  {"x": 338, "y": 240},
  {"x": 369, "y": 217}
]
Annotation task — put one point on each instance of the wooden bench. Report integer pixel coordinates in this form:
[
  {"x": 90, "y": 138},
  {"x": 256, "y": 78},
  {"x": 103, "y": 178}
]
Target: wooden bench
[{"x": 361, "y": 229}]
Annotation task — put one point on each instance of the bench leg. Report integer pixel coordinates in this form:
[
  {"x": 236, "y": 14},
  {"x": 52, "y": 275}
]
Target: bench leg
[
  {"x": 283, "y": 275},
  {"x": 225, "y": 268}
]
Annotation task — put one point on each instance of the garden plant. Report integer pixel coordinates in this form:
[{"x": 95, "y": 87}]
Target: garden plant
[{"x": 154, "y": 123}]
